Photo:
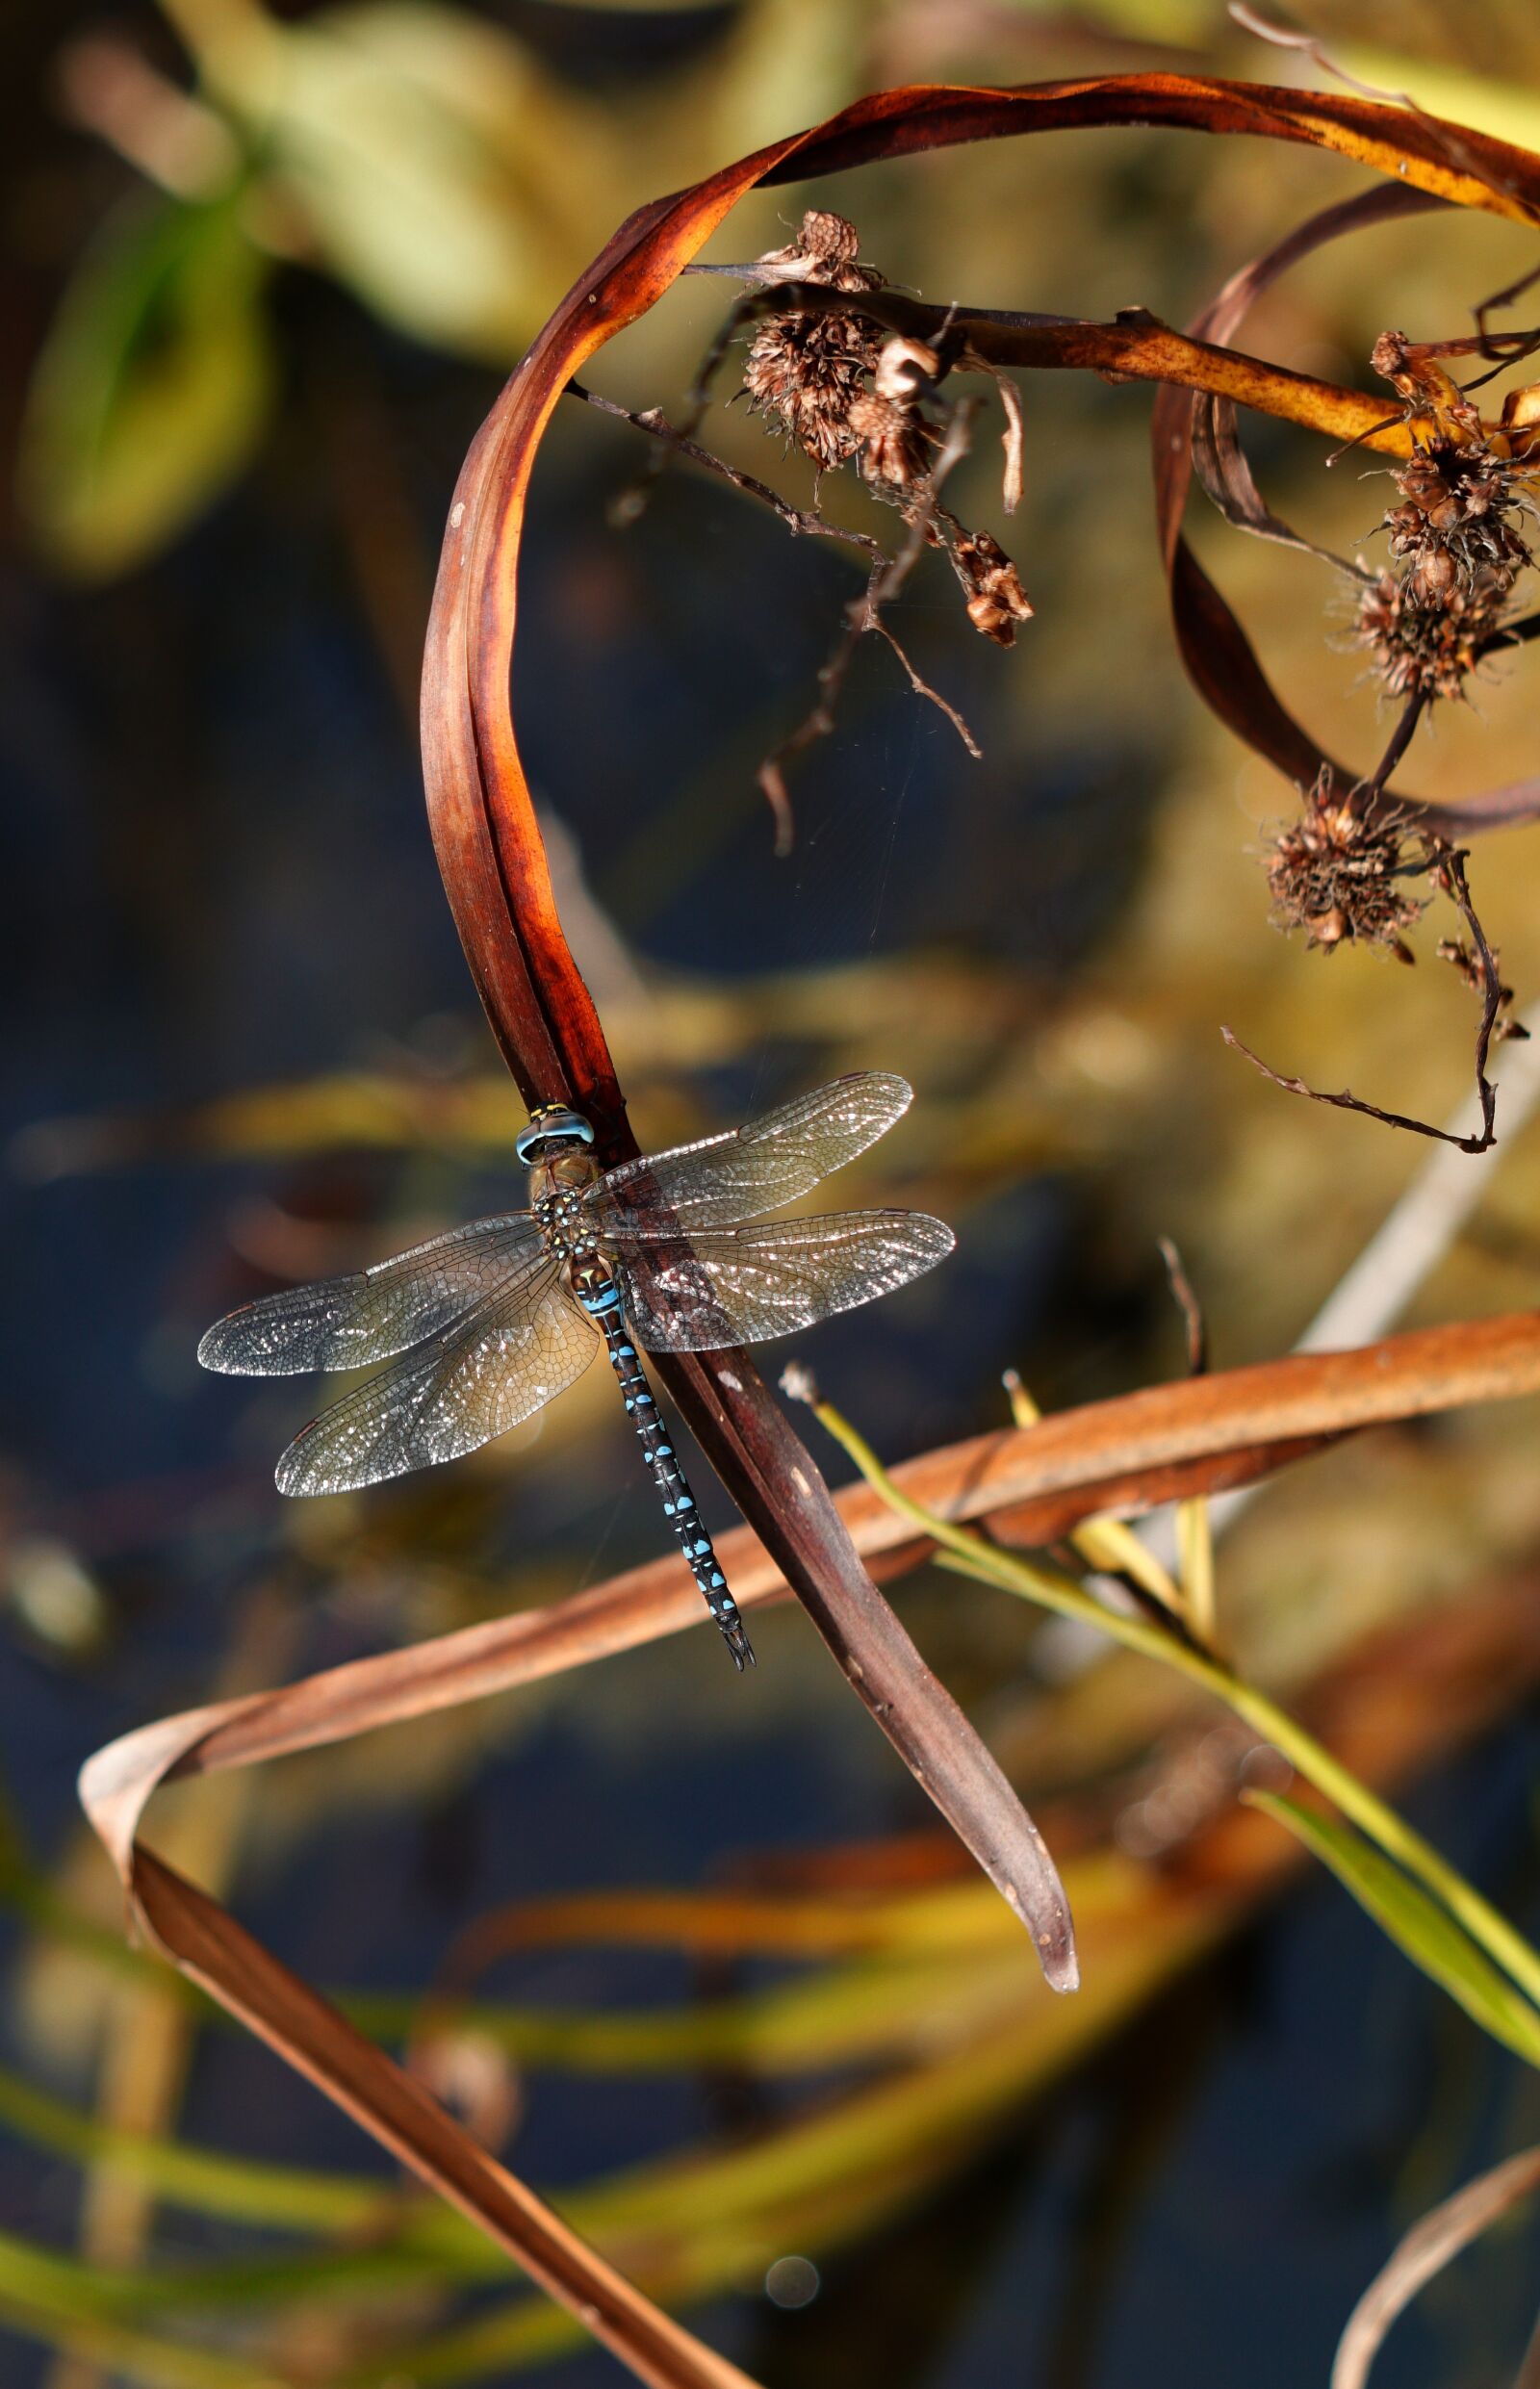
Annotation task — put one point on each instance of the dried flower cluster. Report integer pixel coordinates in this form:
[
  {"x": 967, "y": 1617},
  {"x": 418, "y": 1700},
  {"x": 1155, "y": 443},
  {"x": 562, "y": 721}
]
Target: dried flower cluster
[
  {"x": 840, "y": 391},
  {"x": 1456, "y": 527},
  {"x": 898, "y": 443},
  {"x": 997, "y": 601},
  {"x": 1454, "y": 536},
  {"x": 1426, "y": 646},
  {"x": 807, "y": 370},
  {"x": 1337, "y": 872}
]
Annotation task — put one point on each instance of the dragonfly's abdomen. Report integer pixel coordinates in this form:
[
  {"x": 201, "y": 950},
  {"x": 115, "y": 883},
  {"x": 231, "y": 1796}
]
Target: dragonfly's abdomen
[{"x": 600, "y": 1295}]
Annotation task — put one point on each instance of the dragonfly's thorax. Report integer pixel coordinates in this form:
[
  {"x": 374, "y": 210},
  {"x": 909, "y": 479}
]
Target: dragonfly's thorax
[{"x": 558, "y": 1189}]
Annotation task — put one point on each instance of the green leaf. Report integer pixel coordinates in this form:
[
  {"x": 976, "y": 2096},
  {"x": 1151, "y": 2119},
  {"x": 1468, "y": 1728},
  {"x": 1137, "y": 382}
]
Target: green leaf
[
  {"x": 153, "y": 387},
  {"x": 1418, "y": 1927},
  {"x": 426, "y": 156}
]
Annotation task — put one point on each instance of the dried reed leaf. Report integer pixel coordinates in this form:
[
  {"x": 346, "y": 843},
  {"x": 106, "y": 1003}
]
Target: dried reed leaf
[
  {"x": 311, "y": 2035},
  {"x": 1200, "y": 1435},
  {"x": 1427, "y": 2247}
]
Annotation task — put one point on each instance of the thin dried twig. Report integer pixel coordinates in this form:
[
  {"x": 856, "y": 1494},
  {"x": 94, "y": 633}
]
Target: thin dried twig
[
  {"x": 1368, "y": 793},
  {"x": 633, "y": 502},
  {"x": 1191, "y": 1309},
  {"x": 886, "y": 576},
  {"x": 865, "y": 614},
  {"x": 798, "y": 520},
  {"x": 1494, "y": 343},
  {"x": 1450, "y": 874},
  {"x": 1348, "y": 1101}
]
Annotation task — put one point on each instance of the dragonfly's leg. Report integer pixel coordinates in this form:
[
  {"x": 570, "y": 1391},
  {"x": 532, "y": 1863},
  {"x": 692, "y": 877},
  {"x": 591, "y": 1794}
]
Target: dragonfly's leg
[{"x": 602, "y": 1299}]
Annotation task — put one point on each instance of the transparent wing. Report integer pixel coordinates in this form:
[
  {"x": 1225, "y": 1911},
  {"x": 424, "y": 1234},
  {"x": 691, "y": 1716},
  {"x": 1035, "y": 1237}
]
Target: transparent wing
[
  {"x": 511, "y": 1356},
  {"x": 745, "y": 1285},
  {"x": 750, "y": 1169},
  {"x": 345, "y": 1322}
]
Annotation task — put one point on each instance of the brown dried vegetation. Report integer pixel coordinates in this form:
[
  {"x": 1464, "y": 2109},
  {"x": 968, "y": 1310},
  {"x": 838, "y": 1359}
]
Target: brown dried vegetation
[
  {"x": 841, "y": 392},
  {"x": 1336, "y": 873},
  {"x": 819, "y": 373},
  {"x": 1453, "y": 533},
  {"x": 806, "y": 372}
]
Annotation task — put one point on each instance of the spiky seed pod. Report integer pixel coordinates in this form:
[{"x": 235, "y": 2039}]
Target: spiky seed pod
[
  {"x": 824, "y": 234},
  {"x": 1426, "y": 636},
  {"x": 826, "y": 249},
  {"x": 1457, "y": 521},
  {"x": 1335, "y": 873},
  {"x": 1432, "y": 579},
  {"x": 805, "y": 370}
]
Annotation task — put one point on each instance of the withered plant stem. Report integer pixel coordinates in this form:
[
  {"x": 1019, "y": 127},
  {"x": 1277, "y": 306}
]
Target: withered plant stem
[
  {"x": 633, "y": 502},
  {"x": 864, "y": 614},
  {"x": 797, "y": 520},
  {"x": 1446, "y": 867}
]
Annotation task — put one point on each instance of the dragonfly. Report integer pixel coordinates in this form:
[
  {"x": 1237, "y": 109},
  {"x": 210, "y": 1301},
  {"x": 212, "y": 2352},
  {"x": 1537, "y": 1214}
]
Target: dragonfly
[{"x": 671, "y": 1253}]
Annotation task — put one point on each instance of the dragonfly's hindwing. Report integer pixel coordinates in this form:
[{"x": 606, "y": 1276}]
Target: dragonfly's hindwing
[
  {"x": 511, "y": 1356},
  {"x": 346, "y": 1322},
  {"x": 747, "y": 1285}
]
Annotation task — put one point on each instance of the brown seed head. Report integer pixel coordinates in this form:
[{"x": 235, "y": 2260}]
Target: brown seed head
[
  {"x": 1458, "y": 519},
  {"x": 1335, "y": 873},
  {"x": 1427, "y": 642},
  {"x": 824, "y": 234},
  {"x": 1388, "y": 355},
  {"x": 803, "y": 369},
  {"x": 999, "y": 602},
  {"x": 825, "y": 251},
  {"x": 1432, "y": 578},
  {"x": 804, "y": 372}
]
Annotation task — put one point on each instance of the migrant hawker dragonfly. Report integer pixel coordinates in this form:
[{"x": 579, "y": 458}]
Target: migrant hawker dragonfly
[{"x": 486, "y": 1325}]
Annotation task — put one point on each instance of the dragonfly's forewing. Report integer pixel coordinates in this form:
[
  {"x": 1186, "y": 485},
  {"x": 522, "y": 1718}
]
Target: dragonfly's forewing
[
  {"x": 750, "y": 1169},
  {"x": 513, "y": 1353},
  {"x": 346, "y": 1322},
  {"x": 745, "y": 1285}
]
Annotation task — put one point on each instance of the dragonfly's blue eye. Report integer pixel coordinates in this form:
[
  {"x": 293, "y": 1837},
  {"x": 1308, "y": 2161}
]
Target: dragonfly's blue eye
[{"x": 553, "y": 1126}]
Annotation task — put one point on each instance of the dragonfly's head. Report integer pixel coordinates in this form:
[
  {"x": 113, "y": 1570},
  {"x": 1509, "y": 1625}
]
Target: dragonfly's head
[{"x": 552, "y": 1131}]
